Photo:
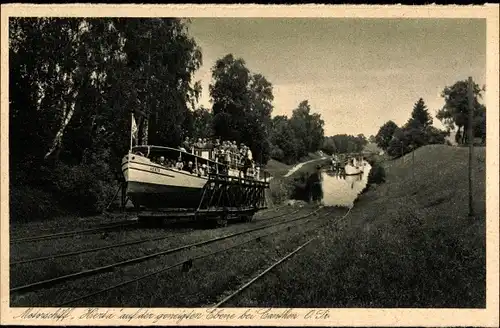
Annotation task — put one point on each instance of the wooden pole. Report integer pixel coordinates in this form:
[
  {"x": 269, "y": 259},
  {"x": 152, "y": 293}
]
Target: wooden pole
[
  {"x": 470, "y": 96},
  {"x": 413, "y": 164}
]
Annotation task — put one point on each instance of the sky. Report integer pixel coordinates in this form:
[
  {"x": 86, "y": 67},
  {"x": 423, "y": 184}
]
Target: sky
[{"x": 357, "y": 73}]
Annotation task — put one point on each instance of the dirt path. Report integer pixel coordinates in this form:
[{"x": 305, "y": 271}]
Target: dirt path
[{"x": 298, "y": 166}]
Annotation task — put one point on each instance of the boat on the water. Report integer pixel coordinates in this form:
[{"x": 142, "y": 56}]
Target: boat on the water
[
  {"x": 354, "y": 167},
  {"x": 352, "y": 170}
]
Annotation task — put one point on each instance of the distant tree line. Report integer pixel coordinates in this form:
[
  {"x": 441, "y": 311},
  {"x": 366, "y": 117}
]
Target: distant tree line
[
  {"x": 418, "y": 131},
  {"x": 343, "y": 143}
]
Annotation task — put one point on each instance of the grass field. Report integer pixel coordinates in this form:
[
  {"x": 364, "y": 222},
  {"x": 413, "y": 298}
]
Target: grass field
[{"x": 406, "y": 243}]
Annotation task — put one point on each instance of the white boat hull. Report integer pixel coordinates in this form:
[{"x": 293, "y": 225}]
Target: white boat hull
[
  {"x": 352, "y": 170},
  {"x": 153, "y": 186}
]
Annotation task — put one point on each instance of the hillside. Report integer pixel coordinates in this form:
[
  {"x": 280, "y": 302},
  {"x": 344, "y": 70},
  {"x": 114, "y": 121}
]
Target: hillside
[{"x": 406, "y": 243}]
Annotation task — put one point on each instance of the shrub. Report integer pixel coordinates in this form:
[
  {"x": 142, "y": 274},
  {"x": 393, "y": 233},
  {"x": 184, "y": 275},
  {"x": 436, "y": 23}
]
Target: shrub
[
  {"x": 277, "y": 154},
  {"x": 84, "y": 188},
  {"x": 377, "y": 174},
  {"x": 30, "y": 204}
]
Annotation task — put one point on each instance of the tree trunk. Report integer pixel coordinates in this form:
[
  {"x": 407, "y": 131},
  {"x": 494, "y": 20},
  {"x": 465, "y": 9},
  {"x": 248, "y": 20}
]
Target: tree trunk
[{"x": 56, "y": 143}]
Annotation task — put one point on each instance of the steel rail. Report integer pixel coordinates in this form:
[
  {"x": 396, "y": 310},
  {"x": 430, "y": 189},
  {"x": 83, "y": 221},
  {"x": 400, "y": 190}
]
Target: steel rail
[
  {"x": 72, "y": 233},
  {"x": 173, "y": 266},
  {"x": 283, "y": 259},
  {"x": 109, "y": 267},
  {"x": 123, "y": 244},
  {"x": 268, "y": 269},
  {"x": 85, "y": 231}
]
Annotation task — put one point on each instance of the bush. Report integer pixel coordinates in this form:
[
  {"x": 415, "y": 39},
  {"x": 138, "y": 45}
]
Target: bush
[
  {"x": 31, "y": 204},
  {"x": 85, "y": 188},
  {"x": 377, "y": 174},
  {"x": 277, "y": 154}
]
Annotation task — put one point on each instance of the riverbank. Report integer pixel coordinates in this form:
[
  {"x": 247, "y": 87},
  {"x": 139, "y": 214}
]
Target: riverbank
[
  {"x": 406, "y": 243},
  {"x": 287, "y": 182}
]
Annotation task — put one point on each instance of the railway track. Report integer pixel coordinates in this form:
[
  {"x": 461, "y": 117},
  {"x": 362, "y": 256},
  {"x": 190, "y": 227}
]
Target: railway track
[
  {"x": 122, "y": 244},
  {"x": 65, "y": 234},
  {"x": 105, "y": 227},
  {"x": 240, "y": 289},
  {"x": 110, "y": 267},
  {"x": 184, "y": 263},
  {"x": 260, "y": 275}
]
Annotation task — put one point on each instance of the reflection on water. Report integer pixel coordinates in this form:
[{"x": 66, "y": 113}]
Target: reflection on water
[{"x": 343, "y": 190}]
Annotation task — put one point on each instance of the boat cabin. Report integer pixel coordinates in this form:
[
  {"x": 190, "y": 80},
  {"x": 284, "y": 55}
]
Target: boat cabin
[{"x": 201, "y": 162}]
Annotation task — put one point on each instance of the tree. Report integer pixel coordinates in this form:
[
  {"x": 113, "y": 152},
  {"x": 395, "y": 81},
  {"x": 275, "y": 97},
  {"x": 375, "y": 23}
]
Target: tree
[
  {"x": 229, "y": 95},
  {"x": 435, "y": 136},
  {"x": 308, "y": 128},
  {"x": 242, "y": 105},
  {"x": 362, "y": 141},
  {"x": 73, "y": 84},
  {"x": 372, "y": 139},
  {"x": 455, "y": 109},
  {"x": 420, "y": 117},
  {"x": 329, "y": 146},
  {"x": 399, "y": 143},
  {"x": 161, "y": 70},
  {"x": 384, "y": 135},
  {"x": 202, "y": 123},
  {"x": 283, "y": 140}
]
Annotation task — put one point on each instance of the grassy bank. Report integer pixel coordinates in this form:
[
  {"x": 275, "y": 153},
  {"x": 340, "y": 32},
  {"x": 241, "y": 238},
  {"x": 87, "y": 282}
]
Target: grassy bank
[{"x": 406, "y": 243}]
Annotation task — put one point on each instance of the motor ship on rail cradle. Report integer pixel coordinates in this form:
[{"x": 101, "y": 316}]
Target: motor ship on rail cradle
[{"x": 155, "y": 180}]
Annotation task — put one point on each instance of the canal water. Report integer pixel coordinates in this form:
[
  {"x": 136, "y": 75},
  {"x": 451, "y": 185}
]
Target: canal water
[{"x": 343, "y": 190}]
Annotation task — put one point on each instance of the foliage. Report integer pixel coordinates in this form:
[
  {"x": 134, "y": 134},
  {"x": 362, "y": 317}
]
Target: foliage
[
  {"x": 308, "y": 129},
  {"x": 384, "y": 134},
  {"x": 343, "y": 143},
  {"x": 377, "y": 174},
  {"x": 456, "y": 107},
  {"x": 200, "y": 123},
  {"x": 73, "y": 83},
  {"x": 292, "y": 139},
  {"x": 420, "y": 117},
  {"x": 417, "y": 132},
  {"x": 242, "y": 105}
]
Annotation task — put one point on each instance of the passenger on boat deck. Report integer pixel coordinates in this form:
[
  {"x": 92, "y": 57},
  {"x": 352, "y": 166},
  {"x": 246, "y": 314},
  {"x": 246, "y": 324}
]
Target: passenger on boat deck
[
  {"x": 162, "y": 160},
  {"x": 187, "y": 144},
  {"x": 198, "y": 143},
  {"x": 249, "y": 154},
  {"x": 179, "y": 165},
  {"x": 189, "y": 168},
  {"x": 203, "y": 170},
  {"x": 208, "y": 143},
  {"x": 225, "y": 155}
]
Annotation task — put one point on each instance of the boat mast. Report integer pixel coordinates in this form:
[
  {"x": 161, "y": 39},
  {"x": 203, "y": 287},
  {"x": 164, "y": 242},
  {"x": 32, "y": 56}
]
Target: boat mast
[
  {"x": 132, "y": 121},
  {"x": 147, "y": 109}
]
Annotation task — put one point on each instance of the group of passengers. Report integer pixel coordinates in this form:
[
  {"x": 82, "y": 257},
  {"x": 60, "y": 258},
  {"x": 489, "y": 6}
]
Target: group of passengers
[
  {"x": 227, "y": 152},
  {"x": 188, "y": 166}
]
